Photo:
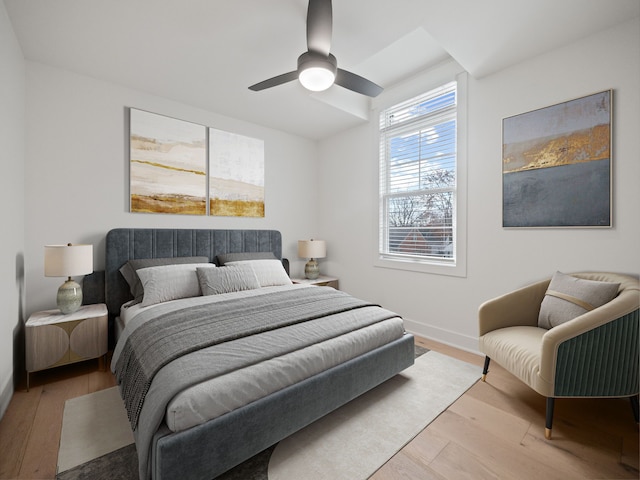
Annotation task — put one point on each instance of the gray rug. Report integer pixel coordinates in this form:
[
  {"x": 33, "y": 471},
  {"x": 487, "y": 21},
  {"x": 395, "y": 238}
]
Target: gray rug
[{"x": 121, "y": 464}]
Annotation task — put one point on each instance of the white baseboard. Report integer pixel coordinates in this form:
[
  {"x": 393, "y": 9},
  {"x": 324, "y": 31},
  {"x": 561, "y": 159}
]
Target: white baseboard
[
  {"x": 6, "y": 395},
  {"x": 448, "y": 337}
]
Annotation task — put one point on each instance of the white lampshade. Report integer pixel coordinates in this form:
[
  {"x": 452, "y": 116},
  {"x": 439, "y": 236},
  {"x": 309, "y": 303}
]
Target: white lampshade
[
  {"x": 68, "y": 260},
  {"x": 312, "y": 248}
]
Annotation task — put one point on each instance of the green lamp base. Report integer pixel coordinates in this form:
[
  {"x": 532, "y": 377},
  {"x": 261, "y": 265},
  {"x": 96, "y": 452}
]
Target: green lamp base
[
  {"x": 69, "y": 296},
  {"x": 311, "y": 269}
]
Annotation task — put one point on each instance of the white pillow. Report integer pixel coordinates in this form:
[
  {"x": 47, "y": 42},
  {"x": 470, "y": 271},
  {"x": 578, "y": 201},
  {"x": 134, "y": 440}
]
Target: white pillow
[
  {"x": 230, "y": 278},
  {"x": 269, "y": 272},
  {"x": 568, "y": 297},
  {"x": 170, "y": 282}
]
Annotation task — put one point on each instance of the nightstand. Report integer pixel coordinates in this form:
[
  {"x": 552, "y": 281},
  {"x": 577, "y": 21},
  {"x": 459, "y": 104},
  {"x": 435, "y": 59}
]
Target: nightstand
[
  {"x": 321, "y": 281},
  {"x": 53, "y": 339}
]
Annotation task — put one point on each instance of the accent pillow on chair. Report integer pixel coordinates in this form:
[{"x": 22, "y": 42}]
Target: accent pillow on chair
[{"x": 568, "y": 297}]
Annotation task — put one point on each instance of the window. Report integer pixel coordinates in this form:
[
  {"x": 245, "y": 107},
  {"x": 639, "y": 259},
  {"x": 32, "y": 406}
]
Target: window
[{"x": 418, "y": 179}]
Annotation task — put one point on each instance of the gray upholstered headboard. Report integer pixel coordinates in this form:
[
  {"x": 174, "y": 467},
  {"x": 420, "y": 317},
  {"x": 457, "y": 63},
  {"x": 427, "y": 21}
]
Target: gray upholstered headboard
[{"x": 123, "y": 244}]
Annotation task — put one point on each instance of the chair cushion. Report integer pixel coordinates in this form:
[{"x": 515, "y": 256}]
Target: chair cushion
[
  {"x": 517, "y": 349},
  {"x": 568, "y": 297}
]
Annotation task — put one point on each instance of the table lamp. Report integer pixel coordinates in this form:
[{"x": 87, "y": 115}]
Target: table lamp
[
  {"x": 312, "y": 249},
  {"x": 68, "y": 261}
]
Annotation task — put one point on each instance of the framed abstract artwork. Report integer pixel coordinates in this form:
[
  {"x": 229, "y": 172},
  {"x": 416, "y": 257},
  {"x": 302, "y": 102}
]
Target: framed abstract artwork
[
  {"x": 556, "y": 165},
  {"x": 184, "y": 168},
  {"x": 168, "y": 165},
  {"x": 236, "y": 175}
]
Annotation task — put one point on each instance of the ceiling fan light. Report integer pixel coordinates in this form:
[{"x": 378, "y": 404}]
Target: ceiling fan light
[
  {"x": 316, "y": 71},
  {"x": 316, "y": 79}
]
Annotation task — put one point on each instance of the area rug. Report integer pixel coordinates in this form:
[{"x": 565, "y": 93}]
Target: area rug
[{"x": 350, "y": 443}]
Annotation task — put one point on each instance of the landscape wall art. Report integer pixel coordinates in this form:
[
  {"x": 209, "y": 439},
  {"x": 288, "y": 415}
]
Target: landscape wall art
[
  {"x": 168, "y": 171},
  {"x": 236, "y": 175},
  {"x": 556, "y": 165},
  {"x": 180, "y": 167}
]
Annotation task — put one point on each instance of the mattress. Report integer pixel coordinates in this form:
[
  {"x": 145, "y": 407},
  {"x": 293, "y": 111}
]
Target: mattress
[{"x": 214, "y": 397}]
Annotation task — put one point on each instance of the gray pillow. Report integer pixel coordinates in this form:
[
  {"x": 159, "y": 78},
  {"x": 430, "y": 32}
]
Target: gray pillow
[
  {"x": 234, "y": 257},
  {"x": 270, "y": 272},
  {"x": 128, "y": 270},
  {"x": 171, "y": 282},
  {"x": 214, "y": 281},
  {"x": 569, "y": 297}
]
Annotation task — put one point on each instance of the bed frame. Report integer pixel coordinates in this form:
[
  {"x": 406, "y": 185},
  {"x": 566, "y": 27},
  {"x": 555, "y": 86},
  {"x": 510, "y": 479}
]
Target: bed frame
[{"x": 210, "y": 449}]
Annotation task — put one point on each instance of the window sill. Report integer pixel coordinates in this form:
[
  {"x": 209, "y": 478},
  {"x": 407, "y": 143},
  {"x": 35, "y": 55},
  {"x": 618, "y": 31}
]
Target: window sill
[{"x": 434, "y": 268}]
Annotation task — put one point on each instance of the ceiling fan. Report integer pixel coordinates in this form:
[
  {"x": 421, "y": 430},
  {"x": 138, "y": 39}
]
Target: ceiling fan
[{"x": 317, "y": 67}]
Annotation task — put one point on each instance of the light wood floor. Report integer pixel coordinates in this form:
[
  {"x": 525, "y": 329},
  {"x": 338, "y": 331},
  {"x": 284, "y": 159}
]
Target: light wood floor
[{"x": 495, "y": 430}]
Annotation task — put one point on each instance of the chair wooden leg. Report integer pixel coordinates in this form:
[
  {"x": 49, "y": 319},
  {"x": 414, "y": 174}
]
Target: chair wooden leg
[
  {"x": 634, "y": 407},
  {"x": 485, "y": 370},
  {"x": 549, "y": 419}
]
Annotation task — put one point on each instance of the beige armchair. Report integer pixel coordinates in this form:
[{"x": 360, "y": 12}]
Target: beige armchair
[{"x": 592, "y": 355}]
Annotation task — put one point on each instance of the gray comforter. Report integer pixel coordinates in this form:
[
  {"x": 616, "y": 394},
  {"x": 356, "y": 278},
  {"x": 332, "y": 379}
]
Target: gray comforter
[{"x": 169, "y": 352}]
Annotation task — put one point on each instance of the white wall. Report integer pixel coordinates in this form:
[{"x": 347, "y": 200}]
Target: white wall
[
  {"x": 498, "y": 260},
  {"x": 77, "y": 172},
  {"x": 12, "y": 135}
]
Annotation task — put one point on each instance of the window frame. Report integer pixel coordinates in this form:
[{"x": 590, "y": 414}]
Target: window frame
[{"x": 457, "y": 265}]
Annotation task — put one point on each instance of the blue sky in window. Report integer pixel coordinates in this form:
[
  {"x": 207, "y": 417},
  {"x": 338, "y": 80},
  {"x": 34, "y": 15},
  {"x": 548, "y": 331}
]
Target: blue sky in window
[
  {"x": 413, "y": 155},
  {"x": 434, "y": 104}
]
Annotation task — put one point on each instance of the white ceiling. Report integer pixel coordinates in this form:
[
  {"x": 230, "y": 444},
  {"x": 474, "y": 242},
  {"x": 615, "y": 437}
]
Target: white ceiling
[{"x": 207, "y": 52}]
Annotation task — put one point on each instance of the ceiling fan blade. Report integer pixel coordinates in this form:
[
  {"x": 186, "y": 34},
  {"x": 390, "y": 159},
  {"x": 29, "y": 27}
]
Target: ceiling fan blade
[
  {"x": 275, "y": 81},
  {"x": 319, "y": 26},
  {"x": 357, "y": 83}
]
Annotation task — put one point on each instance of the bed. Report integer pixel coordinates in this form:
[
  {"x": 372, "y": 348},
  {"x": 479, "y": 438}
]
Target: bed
[{"x": 277, "y": 357}]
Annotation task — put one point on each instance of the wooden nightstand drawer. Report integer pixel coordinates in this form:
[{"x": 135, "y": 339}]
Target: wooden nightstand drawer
[{"x": 53, "y": 339}]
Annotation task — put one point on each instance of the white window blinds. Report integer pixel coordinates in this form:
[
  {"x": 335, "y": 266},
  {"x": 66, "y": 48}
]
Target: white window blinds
[{"x": 418, "y": 178}]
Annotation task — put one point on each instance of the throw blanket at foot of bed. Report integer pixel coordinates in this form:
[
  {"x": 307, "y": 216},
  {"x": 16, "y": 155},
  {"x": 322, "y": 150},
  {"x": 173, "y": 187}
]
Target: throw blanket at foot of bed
[{"x": 189, "y": 345}]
